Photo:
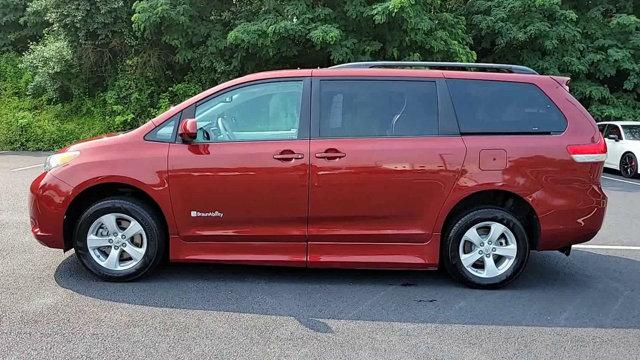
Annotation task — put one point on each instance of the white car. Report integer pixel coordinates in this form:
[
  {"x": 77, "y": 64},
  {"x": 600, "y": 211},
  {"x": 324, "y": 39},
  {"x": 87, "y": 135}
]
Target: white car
[{"x": 623, "y": 144}]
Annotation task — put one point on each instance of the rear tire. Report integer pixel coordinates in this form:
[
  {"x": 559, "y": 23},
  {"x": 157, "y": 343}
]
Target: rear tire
[
  {"x": 486, "y": 248},
  {"x": 119, "y": 239},
  {"x": 629, "y": 165}
]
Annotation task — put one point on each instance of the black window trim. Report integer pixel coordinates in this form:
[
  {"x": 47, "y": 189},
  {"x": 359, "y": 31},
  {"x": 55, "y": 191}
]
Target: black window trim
[
  {"x": 305, "y": 108},
  {"x": 174, "y": 133},
  {"x": 447, "y": 124},
  {"x": 513, "y": 133}
]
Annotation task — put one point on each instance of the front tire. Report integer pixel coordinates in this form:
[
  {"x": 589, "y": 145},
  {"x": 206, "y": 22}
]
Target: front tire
[
  {"x": 628, "y": 165},
  {"x": 486, "y": 248},
  {"x": 119, "y": 239}
]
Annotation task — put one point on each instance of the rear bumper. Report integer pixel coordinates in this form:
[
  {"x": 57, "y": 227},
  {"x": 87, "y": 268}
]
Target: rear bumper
[
  {"x": 48, "y": 197},
  {"x": 562, "y": 227}
]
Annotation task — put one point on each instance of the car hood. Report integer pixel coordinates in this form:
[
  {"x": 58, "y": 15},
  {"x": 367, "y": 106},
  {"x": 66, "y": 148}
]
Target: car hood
[{"x": 96, "y": 140}]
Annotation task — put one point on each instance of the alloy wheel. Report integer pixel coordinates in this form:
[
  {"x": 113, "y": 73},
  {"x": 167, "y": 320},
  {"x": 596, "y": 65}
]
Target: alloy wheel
[
  {"x": 488, "y": 249},
  {"x": 116, "y": 241},
  {"x": 628, "y": 165}
]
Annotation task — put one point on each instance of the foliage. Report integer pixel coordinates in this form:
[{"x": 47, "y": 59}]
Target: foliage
[
  {"x": 51, "y": 63},
  {"x": 28, "y": 123},
  {"x": 18, "y": 26},
  {"x": 75, "y": 68}
]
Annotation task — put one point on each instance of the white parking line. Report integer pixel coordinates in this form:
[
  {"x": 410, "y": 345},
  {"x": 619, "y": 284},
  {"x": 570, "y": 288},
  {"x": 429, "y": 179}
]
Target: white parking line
[
  {"x": 624, "y": 181},
  {"x": 26, "y": 167},
  {"x": 607, "y": 247}
]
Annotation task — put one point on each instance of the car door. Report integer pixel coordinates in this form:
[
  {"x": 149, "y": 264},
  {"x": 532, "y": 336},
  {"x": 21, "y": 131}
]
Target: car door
[
  {"x": 240, "y": 190},
  {"x": 615, "y": 148},
  {"x": 380, "y": 172}
]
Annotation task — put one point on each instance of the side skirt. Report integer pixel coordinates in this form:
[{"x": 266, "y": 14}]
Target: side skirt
[
  {"x": 374, "y": 255},
  {"x": 253, "y": 253},
  {"x": 314, "y": 254}
]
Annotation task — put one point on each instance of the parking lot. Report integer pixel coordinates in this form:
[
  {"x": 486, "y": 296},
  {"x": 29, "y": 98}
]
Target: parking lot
[{"x": 583, "y": 306}]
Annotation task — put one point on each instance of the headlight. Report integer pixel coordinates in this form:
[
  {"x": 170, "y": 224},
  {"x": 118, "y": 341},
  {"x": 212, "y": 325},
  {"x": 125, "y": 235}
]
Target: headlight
[{"x": 60, "y": 159}]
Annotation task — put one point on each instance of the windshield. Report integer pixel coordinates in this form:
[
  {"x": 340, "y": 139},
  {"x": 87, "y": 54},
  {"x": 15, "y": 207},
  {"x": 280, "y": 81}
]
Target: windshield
[{"x": 631, "y": 132}]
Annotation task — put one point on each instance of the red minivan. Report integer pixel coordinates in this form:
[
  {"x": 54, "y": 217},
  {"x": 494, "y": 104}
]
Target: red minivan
[{"x": 394, "y": 165}]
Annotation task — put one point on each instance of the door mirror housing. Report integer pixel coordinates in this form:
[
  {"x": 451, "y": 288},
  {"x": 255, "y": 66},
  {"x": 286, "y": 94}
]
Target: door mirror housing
[
  {"x": 613, "y": 137},
  {"x": 188, "y": 130}
]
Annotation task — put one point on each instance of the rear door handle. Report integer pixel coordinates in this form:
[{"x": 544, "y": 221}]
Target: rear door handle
[
  {"x": 330, "y": 154},
  {"x": 288, "y": 155}
]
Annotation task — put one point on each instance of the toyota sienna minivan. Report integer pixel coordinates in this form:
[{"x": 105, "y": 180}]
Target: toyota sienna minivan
[{"x": 393, "y": 165}]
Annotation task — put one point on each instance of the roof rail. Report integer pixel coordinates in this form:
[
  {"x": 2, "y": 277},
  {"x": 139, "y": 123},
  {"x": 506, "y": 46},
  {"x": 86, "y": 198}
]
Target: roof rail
[{"x": 518, "y": 69}]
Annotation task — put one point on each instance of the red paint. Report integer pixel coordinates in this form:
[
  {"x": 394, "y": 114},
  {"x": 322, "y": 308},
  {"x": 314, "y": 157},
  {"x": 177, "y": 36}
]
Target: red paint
[
  {"x": 493, "y": 159},
  {"x": 49, "y": 197},
  {"x": 264, "y": 200},
  {"x": 254, "y": 253},
  {"x": 382, "y": 194},
  {"x": 373, "y": 255},
  {"x": 335, "y": 202},
  {"x": 188, "y": 130}
]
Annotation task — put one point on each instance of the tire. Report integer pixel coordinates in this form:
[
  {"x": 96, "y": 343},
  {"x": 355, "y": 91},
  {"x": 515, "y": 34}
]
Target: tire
[
  {"x": 479, "y": 273},
  {"x": 629, "y": 165},
  {"x": 135, "y": 255}
]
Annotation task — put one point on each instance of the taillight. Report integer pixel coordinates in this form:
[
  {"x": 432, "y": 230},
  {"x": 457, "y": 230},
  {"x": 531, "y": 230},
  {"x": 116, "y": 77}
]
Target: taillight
[{"x": 589, "y": 152}]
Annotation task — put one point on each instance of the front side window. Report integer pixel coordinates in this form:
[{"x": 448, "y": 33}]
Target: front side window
[
  {"x": 631, "y": 132},
  {"x": 377, "y": 108},
  {"x": 613, "y": 130},
  {"x": 500, "y": 107},
  {"x": 266, "y": 111}
]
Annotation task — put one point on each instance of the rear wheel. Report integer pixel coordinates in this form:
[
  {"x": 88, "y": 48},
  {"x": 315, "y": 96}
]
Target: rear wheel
[
  {"x": 629, "y": 165},
  {"x": 119, "y": 239},
  {"x": 486, "y": 248}
]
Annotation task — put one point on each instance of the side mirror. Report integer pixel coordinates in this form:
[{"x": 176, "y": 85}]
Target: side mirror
[
  {"x": 613, "y": 137},
  {"x": 188, "y": 130}
]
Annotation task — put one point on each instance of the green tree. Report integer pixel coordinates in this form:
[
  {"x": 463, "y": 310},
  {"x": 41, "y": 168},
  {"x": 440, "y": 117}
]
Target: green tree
[
  {"x": 18, "y": 25},
  {"x": 119, "y": 62}
]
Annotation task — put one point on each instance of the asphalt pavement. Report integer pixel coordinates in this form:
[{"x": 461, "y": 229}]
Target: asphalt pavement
[{"x": 584, "y": 306}]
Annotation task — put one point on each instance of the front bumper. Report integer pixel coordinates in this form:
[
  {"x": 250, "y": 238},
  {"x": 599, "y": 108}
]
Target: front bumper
[{"x": 48, "y": 200}]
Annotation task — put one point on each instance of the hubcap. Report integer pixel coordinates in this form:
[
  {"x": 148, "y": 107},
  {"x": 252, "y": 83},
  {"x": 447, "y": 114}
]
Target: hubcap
[
  {"x": 116, "y": 241},
  {"x": 488, "y": 249}
]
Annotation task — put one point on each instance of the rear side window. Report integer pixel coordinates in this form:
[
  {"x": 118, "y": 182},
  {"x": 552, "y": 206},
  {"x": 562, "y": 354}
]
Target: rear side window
[
  {"x": 498, "y": 107},
  {"x": 631, "y": 132},
  {"x": 377, "y": 108}
]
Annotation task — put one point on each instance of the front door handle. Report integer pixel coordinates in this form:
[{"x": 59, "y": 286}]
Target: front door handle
[
  {"x": 330, "y": 154},
  {"x": 288, "y": 155}
]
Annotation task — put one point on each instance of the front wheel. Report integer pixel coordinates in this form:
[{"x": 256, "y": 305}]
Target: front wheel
[
  {"x": 486, "y": 248},
  {"x": 119, "y": 239},
  {"x": 628, "y": 165}
]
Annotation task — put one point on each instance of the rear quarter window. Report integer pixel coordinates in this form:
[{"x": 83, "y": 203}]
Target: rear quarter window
[{"x": 499, "y": 107}]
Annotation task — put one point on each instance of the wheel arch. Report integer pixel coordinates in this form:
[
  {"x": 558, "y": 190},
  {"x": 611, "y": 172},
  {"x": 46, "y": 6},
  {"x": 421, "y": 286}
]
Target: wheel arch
[
  {"x": 96, "y": 192},
  {"x": 505, "y": 199}
]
